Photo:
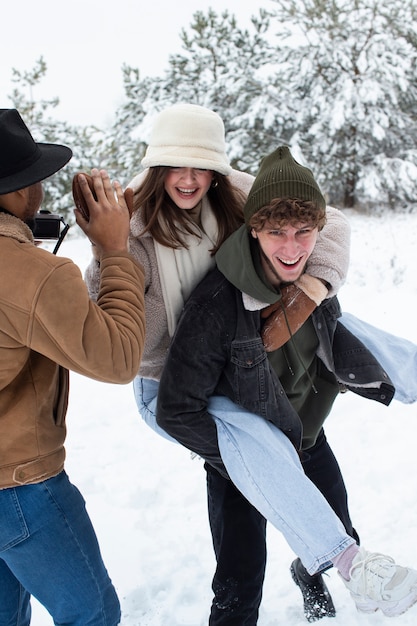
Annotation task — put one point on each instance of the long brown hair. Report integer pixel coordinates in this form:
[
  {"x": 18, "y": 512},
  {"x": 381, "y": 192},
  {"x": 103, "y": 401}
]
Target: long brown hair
[{"x": 170, "y": 225}]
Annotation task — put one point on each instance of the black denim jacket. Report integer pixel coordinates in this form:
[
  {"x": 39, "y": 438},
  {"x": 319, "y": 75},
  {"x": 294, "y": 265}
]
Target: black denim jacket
[{"x": 217, "y": 350}]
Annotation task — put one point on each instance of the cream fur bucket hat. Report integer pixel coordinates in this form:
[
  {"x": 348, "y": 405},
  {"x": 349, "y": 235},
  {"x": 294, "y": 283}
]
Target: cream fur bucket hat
[{"x": 188, "y": 135}]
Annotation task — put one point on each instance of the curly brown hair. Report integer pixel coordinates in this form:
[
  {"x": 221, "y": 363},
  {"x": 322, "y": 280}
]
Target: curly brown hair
[
  {"x": 169, "y": 225},
  {"x": 281, "y": 212}
]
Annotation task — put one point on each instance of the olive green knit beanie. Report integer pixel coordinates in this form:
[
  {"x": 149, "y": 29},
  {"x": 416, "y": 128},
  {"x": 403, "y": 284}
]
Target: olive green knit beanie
[{"x": 280, "y": 176}]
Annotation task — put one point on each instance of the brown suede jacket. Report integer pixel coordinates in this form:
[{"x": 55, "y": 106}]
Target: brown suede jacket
[{"x": 49, "y": 325}]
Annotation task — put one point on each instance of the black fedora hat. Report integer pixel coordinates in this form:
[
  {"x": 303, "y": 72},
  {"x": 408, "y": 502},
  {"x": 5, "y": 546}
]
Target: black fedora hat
[{"x": 23, "y": 161}]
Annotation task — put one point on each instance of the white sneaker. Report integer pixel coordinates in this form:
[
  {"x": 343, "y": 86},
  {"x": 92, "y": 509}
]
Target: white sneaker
[{"x": 378, "y": 583}]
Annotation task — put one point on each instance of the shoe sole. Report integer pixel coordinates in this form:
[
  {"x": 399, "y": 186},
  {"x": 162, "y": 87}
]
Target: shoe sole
[{"x": 389, "y": 609}]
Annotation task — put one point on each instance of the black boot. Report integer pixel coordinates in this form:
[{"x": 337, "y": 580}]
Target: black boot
[{"x": 318, "y": 602}]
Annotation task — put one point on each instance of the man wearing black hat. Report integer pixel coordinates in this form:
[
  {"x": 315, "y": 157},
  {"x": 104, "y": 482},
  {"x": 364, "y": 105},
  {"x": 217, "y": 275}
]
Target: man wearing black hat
[
  {"x": 48, "y": 326},
  {"x": 252, "y": 395}
]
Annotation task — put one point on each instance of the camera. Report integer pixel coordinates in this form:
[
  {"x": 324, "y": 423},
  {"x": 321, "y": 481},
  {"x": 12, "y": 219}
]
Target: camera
[{"x": 47, "y": 225}]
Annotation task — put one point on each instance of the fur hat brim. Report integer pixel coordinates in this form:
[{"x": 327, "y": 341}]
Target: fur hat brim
[{"x": 184, "y": 156}]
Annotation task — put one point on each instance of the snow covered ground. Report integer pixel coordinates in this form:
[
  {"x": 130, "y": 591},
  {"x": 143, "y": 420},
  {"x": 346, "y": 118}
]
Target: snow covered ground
[{"x": 146, "y": 496}]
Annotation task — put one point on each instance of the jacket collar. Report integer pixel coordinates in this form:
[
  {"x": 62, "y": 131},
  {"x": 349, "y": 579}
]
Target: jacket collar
[{"x": 12, "y": 226}]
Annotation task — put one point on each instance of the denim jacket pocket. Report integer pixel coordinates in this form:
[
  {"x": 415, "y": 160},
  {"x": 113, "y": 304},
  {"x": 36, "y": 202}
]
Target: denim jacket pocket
[
  {"x": 13, "y": 527},
  {"x": 251, "y": 376}
]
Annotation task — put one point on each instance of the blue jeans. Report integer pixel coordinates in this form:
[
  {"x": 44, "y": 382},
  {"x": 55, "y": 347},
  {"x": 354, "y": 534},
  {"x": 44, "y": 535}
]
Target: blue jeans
[
  {"x": 146, "y": 392},
  {"x": 397, "y": 356},
  {"x": 265, "y": 467},
  {"x": 48, "y": 549}
]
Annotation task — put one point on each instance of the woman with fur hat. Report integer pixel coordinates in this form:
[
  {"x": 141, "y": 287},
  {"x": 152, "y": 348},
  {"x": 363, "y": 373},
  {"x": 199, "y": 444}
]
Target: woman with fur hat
[{"x": 188, "y": 200}]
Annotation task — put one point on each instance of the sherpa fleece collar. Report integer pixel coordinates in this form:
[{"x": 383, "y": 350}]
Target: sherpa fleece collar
[{"x": 11, "y": 226}]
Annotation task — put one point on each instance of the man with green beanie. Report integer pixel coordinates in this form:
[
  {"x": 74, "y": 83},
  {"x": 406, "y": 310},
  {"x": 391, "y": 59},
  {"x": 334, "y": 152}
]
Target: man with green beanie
[{"x": 250, "y": 377}]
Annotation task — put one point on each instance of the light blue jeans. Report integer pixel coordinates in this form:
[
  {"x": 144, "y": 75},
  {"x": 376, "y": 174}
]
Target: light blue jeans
[
  {"x": 48, "y": 549},
  {"x": 265, "y": 467},
  {"x": 398, "y": 356}
]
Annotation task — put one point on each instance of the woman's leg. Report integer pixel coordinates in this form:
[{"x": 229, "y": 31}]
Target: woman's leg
[
  {"x": 146, "y": 391},
  {"x": 321, "y": 467},
  {"x": 265, "y": 467}
]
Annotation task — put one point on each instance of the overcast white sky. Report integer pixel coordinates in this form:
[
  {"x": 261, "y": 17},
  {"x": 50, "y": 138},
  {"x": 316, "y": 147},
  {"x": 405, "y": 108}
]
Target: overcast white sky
[{"x": 85, "y": 43}]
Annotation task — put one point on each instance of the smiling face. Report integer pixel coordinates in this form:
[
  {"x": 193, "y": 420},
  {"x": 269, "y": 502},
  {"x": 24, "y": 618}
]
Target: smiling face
[
  {"x": 285, "y": 250},
  {"x": 187, "y": 186},
  {"x": 286, "y": 230}
]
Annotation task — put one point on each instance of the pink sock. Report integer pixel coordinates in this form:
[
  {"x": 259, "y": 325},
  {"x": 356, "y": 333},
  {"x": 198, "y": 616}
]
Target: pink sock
[{"x": 343, "y": 561}]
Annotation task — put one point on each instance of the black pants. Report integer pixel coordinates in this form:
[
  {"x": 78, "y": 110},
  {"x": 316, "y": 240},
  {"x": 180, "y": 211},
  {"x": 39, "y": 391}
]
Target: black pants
[{"x": 239, "y": 536}]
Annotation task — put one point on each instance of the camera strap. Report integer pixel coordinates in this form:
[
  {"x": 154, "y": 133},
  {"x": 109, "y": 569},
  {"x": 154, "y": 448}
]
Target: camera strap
[{"x": 61, "y": 236}]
